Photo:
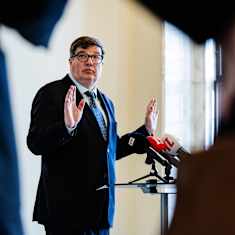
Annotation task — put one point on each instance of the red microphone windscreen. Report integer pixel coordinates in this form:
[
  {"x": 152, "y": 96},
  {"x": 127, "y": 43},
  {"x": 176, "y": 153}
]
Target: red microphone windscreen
[{"x": 156, "y": 143}]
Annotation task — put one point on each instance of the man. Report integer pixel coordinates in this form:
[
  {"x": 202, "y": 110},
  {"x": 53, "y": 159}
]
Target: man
[{"x": 73, "y": 127}]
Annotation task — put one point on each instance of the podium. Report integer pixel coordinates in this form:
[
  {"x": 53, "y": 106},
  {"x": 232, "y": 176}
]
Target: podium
[
  {"x": 163, "y": 185},
  {"x": 154, "y": 187}
]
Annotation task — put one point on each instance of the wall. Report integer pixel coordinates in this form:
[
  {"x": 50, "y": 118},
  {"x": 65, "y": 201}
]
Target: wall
[{"x": 131, "y": 76}]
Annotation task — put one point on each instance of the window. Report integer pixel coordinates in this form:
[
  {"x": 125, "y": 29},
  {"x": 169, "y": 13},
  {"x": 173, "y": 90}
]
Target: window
[
  {"x": 189, "y": 75},
  {"x": 189, "y": 94}
]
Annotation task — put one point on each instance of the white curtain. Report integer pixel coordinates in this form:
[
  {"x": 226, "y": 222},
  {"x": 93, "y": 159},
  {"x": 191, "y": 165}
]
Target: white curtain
[{"x": 189, "y": 74}]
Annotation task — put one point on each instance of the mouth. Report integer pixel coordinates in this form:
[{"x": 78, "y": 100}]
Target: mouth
[{"x": 90, "y": 71}]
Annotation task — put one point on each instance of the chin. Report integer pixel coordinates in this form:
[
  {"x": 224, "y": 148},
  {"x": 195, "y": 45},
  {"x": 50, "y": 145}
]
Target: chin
[
  {"x": 89, "y": 84},
  {"x": 88, "y": 81}
]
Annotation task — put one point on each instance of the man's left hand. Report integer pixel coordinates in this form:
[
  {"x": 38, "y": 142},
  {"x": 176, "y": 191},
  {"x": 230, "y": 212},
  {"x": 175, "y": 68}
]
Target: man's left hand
[{"x": 151, "y": 116}]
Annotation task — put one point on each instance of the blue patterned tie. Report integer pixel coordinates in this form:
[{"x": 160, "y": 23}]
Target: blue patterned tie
[{"x": 97, "y": 112}]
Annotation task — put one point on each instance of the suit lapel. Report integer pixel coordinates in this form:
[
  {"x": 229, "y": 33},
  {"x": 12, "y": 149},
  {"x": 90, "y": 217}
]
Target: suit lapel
[
  {"x": 88, "y": 114},
  {"x": 107, "y": 110}
]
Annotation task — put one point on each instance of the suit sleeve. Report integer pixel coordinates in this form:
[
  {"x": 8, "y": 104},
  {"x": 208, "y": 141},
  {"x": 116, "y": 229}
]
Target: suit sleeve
[
  {"x": 124, "y": 148},
  {"x": 47, "y": 130}
]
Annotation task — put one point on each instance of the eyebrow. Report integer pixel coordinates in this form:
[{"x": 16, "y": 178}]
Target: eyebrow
[
  {"x": 84, "y": 51},
  {"x": 96, "y": 53}
]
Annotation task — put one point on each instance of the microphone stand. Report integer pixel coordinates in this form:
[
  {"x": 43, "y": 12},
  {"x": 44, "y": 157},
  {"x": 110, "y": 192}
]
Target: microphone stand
[
  {"x": 168, "y": 176},
  {"x": 153, "y": 172},
  {"x": 154, "y": 155}
]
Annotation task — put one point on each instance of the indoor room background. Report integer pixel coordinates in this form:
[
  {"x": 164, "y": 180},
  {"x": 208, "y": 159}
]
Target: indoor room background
[{"x": 137, "y": 67}]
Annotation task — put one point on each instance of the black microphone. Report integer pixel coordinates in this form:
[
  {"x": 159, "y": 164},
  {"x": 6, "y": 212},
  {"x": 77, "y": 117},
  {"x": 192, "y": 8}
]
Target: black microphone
[
  {"x": 141, "y": 144},
  {"x": 154, "y": 155},
  {"x": 154, "y": 147},
  {"x": 158, "y": 150}
]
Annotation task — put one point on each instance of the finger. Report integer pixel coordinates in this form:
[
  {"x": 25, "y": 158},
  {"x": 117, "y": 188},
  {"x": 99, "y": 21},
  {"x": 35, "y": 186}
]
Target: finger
[
  {"x": 73, "y": 95},
  {"x": 81, "y": 105},
  {"x": 155, "y": 108},
  {"x": 152, "y": 106},
  {"x": 149, "y": 105},
  {"x": 67, "y": 95}
]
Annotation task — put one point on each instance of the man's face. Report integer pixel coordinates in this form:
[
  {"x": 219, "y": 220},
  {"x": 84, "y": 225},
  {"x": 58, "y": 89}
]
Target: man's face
[{"x": 86, "y": 70}]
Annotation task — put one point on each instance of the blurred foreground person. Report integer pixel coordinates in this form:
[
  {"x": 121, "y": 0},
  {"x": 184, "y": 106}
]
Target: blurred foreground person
[
  {"x": 205, "y": 192},
  {"x": 35, "y": 22}
]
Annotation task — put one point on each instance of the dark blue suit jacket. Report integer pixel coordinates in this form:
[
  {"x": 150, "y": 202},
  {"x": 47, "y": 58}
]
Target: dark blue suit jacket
[{"x": 73, "y": 167}]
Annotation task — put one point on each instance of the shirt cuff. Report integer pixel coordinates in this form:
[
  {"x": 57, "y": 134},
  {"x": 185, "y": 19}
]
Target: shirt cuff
[{"x": 71, "y": 130}]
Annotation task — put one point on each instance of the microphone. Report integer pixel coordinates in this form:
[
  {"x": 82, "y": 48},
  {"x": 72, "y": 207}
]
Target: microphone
[
  {"x": 166, "y": 150},
  {"x": 156, "y": 143},
  {"x": 158, "y": 152},
  {"x": 174, "y": 147},
  {"x": 153, "y": 146}
]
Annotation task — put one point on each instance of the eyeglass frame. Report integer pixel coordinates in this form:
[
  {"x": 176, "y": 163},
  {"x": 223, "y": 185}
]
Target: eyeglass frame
[{"x": 88, "y": 56}]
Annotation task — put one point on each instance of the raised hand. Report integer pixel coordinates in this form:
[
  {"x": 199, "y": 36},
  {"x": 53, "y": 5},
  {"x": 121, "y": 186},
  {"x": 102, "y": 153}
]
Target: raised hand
[
  {"x": 72, "y": 112},
  {"x": 151, "y": 116}
]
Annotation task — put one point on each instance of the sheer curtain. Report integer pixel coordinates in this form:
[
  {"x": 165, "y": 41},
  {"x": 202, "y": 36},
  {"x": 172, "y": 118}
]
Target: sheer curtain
[{"x": 189, "y": 74}]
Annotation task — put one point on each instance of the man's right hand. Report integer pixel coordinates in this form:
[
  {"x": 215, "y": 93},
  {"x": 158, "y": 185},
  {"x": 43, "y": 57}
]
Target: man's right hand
[{"x": 72, "y": 112}]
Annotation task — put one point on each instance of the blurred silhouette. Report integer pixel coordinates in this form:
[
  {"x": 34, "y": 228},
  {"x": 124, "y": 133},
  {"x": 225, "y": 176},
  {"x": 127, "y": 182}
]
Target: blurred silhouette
[
  {"x": 205, "y": 193},
  {"x": 35, "y": 21}
]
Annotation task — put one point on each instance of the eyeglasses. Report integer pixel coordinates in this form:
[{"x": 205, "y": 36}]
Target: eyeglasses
[{"x": 84, "y": 57}]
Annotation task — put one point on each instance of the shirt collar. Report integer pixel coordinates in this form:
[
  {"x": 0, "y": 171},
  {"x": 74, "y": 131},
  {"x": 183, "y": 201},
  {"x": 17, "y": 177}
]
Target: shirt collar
[{"x": 81, "y": 88}]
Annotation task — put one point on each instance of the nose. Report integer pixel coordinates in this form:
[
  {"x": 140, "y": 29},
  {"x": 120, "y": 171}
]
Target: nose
[{"x": 89, "y": 61}]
